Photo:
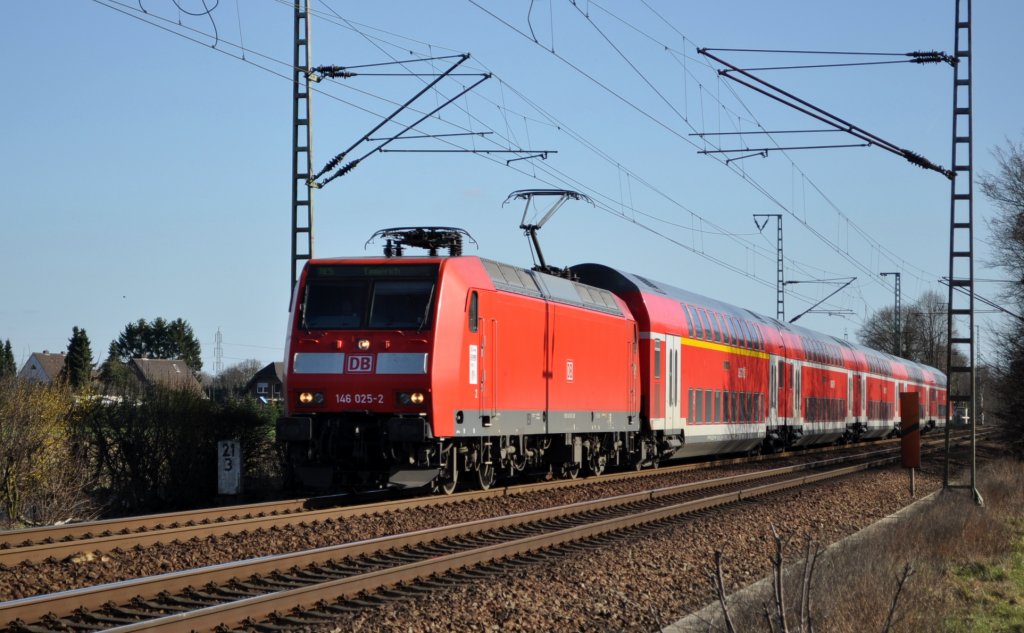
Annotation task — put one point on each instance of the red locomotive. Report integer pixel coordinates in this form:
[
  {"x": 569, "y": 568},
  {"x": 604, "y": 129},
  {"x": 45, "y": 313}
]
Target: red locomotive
[{"x": 415, "y": 371}]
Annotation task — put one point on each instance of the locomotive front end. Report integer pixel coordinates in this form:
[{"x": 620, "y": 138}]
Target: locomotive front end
[{"x": 358, "y": 389}]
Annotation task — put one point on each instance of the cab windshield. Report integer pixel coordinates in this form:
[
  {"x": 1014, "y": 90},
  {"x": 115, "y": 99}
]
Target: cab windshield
[{"x": 368, "y": 297}]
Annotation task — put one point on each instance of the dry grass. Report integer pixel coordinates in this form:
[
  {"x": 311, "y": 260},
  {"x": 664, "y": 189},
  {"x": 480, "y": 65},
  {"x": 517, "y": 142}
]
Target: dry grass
[{"x": 968, "y": 564}]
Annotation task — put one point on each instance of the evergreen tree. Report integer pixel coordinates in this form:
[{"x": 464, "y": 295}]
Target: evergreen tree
[
  {"x": 156, "y": 339},
  {"x": 184, "y": 343},
  {"x": 78, "y": 361},
  {"x": 7, "y": 366}
]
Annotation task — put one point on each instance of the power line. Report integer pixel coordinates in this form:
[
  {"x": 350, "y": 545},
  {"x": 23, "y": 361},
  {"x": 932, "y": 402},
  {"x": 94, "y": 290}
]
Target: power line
[{"x": 750, "y": 246}]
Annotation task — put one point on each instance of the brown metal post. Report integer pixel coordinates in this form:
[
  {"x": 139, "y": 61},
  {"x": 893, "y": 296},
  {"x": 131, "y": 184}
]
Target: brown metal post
[{"x": 910, "y": 435}]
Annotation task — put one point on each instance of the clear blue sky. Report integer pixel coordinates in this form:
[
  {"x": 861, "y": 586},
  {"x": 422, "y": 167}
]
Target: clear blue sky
[{"x": 146, "y": 175}]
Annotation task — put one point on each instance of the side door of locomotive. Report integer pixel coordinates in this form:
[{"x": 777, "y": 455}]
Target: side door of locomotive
[{"x": 482, "y": 353}]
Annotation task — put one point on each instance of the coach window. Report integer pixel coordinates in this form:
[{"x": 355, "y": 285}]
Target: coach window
[
  {"x": 696, "y": 322},
  {"x": 718, "y": 406},
  {"x": 744, "y": 341},
  {"x": 657, "y": 359},
  {"x": 750, "y": 334},
  {"x": 760, "y": 339},
  {"x": 474, "y": 309},
  {"x": 709, "y": 403},
  {"x": 689, "y": 409},
  {"x": 689, "y": 320},
  {"x": 704, "y": 320},
  {"x": 726, "y": 331},
  {"x": 698, "y": 415},
  {"x": 715, "y": 328}
]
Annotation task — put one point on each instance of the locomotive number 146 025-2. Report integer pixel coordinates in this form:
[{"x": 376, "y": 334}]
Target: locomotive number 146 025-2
[{"x": 360, "y": 398}]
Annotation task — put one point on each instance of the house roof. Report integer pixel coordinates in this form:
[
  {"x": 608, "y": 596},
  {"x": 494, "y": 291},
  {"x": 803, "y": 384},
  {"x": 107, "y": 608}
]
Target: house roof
[
  {"x": 173, "y": 373},
  {"x": 273, "y": 371},
  {"x": 41, "y": 364}
]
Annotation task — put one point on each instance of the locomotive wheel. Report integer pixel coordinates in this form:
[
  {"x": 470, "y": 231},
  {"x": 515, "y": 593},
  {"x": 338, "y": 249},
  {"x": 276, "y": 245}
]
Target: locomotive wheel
[
  {"x": 448, "y": 479},
  {"x": 597, "y": 459},
  {"x": 485, "y": 476},
  {"x": 447, "y": 486}
]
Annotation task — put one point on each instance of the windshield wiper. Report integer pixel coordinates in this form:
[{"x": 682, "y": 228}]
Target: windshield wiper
[{"x": 426, "y": 310}]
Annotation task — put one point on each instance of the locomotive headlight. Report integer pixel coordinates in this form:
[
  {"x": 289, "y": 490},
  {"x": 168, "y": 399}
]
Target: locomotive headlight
[
  {"x": 406, "y": 398},
  {"x": 305, "y": 397},
  {"x": 363, "y": 344}
]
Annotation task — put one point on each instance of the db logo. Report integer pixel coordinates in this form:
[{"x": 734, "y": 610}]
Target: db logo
[{"x": 359, "y": 364}]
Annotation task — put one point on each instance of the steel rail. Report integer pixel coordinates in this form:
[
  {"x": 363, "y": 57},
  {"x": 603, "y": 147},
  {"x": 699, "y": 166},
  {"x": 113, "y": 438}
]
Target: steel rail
[
  {"x": 38, "y": 544},
  {"x": 234, "y": 613},
  {"x": 90, "y": 598},
  {"x": 90, "y": 529}
]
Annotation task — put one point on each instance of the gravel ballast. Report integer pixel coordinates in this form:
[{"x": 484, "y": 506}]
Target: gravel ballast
[{"x": 638, "y": 585}]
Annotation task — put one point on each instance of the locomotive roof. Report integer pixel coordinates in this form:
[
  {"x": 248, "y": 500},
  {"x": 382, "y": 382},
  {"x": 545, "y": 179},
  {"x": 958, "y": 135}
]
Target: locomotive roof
[
  {"x": 622, "y": 282},
  {"x": 538, "y": 284},
  {"x": 510, "y": 278}
]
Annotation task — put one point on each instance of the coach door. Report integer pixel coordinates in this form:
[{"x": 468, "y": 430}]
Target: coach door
[
  {"x": 672, "y": 375},
  {"x": 796, "y": 391},
  {"x": 855, "y": 399},
  {"x": 658, "y": 396},
  {"x": 773, "y": 392},
  {"x": 784, "y": 395}
]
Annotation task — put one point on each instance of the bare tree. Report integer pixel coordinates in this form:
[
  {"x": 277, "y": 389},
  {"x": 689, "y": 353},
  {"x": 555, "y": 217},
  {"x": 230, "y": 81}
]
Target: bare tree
[
  {"x": 1006, "y": 189},
  {"x": 923, "y": 325}
]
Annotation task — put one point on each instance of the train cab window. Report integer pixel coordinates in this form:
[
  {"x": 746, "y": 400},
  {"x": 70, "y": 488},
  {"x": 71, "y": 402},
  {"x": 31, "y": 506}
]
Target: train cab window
[
  {"x": 698, "y": 328},
  {"x": 334, "y": 306},
  {"x": 401, "y": 304},
  {"x": 347, "y": 297},
  {"x": 474, "y": 311}
]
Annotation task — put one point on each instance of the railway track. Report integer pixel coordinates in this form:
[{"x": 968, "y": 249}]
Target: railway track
[
  {"x": 314, "y": 581},
  {"x": 59, "y": 542}
]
